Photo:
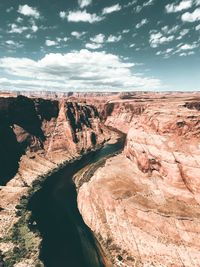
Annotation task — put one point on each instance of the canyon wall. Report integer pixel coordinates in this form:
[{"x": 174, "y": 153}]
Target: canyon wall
[
  {"x": 143, "y": 205},
  {"x": 38, "y": 136}
]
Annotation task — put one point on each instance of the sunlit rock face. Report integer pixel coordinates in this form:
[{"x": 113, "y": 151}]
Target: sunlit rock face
[{"x": 143, "y": 205}]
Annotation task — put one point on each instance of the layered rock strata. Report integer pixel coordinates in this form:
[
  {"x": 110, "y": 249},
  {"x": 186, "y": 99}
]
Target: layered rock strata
[
  {"x": 143, "y": 205},
  {"x": 38, "y": 136}
]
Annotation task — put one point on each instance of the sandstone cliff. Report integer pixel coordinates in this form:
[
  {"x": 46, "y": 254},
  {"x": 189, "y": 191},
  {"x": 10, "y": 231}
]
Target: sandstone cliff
[
  {"x": 38, "y": 136},
  {"x": 143, "y": 205}
]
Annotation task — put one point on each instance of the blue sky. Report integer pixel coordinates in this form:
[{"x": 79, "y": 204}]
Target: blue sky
[{"x": 100, "y": 45}]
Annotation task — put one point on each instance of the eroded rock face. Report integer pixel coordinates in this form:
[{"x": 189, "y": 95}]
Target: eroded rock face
[
  {"x": 36, "y": 136},
  {"x": 143, "y": 205}
]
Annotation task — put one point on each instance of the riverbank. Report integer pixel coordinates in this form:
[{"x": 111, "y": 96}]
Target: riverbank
[{"x": 17, "y": 249}]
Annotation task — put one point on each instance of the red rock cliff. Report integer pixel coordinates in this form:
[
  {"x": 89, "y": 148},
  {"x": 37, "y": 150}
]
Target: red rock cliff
[
  {"x": 143, "y": 205},
  {"x": 36, "y": 136}
]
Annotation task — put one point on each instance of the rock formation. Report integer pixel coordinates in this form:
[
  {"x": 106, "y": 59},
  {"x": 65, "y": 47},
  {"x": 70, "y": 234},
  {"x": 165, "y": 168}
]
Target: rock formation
[
  {"x": 143, "y": 205},
  {"x": 36, "y": 137}
]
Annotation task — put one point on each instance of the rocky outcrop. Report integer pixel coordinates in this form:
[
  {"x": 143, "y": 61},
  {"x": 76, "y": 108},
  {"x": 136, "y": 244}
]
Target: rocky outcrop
[
  {"x": 119, "y": 114},
  {"x": 144, "y": 205}
]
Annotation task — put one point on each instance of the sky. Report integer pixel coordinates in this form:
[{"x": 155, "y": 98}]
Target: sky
[{"x": 100, "y": 45}]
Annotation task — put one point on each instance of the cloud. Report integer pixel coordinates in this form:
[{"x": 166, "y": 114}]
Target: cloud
[
  {"x": 62, "y": 14},
  {"x": 113, "y": 39},
  {"x": 141, "y": 23},
  {"x": 50, "y": 43},
  {"x": 158, "y": 38},
  {"x": 166, "y": 53},
  {"x": 93, "y": 46},
  {"x": 111, "y": 9},
  {"x": 184, "y": 4},
  {"x": 14, "y": 28},
  {"x": 126, "y": 31},
  {"x": 99, "y": 38},
  {"x": 84, "y": 3},
  {"x": 184, "y": 54},
  {"x": 148, "y": 3},
  {"x": 132, "y": 3},
  {"x": 29, "y": 11},
  {"x": 12, "y": 45},
  {"x": 191, "y": 17},
  {"x": 182, "y": 33},
  {"x": 81, "y": 16},
  {"x": 167, "y": 30},
  {"x": 197, "y": 28},
  {"x": 80, "y": 70},
  {"x": 77, "y": 34},
  {"x": 8, "y": 10},
  {"x": 139, "y": 8},
  {"x": 64, "y": 39},
  {"x": 188, "y": 47},
  {"x": 34, "y": 28},
  {"x": 19, "y": 19}
]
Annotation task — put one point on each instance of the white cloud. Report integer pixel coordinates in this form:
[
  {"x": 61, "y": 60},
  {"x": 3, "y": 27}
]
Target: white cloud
[
  {"x": 50, "y": 43},
  {"x": 93, "y": 46},
  {"x": 166, "y": 53},
  {"x": 138, "y": 9},
  {"x": 14, "y": 28},
  {"x": 64, "y": 39},
  {"x": 191, "y": 17},
  {"x": 77, "y": 34},
  {"x": 12, "y": 45},
  {"x": 114, "y": 39},
  {"x": 10, "y": 42},
  {"x": 62, "y": 14},
  {"x": 8, "y": 10},
  {"x": 84, "y": 3},
  {"x": 184, "y": 54},
  {"x": 183, "y": 33},
  {"x": 29, "y": 36},
  {"x": 197, "y": 28},
  {"x": 111, "y": 9},
  {"x": 158, "y": 38},
  {"x": 19, "y": 19},
  {"x": 126, "y": 31},
  {"x": 188, "y": 47},
  {"x": 80, "y": 70},
  {"x": 167, "y": 30},
  {"x": 184, "y": 4},
  {"x": 27, "y": 10},
  {"x": 99, "y": 38},
  {"x": 141, "y": 23},
  {"x": 34, "y": 28},
  {"x": 81, "y": 16},
  {"x": 148, "y": 3},
  {"x": 130, "y": 4}
]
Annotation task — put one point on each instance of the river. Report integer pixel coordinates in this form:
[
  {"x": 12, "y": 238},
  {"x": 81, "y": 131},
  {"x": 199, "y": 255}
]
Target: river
[{"x": 66, "y": 240}]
